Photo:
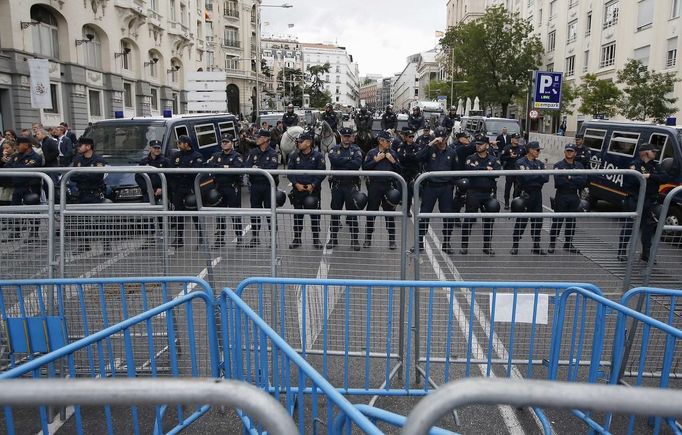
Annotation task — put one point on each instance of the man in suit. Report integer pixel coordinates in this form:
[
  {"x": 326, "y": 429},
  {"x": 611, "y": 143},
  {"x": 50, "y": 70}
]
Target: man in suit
[
  {"x": 503, "y": 139},
  {"x": 64, "y": 146},
  {"x": 70, "y": 134}
]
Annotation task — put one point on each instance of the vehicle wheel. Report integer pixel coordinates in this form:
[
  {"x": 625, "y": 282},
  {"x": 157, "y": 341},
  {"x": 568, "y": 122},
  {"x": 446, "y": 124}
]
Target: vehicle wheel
[{"x": 674, "y": 218}]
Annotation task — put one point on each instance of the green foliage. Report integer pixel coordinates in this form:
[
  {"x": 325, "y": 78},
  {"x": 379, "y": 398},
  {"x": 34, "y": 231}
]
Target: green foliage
[
  {"x": 569, "y": 93},
  {"x": 599, "y": 97},
  {"x": 289, "y": 81},
  {"x": 318, "y": 95},
  {"x": 438, "y": 87},
  {"x": 494, "y": 54},
  {"x": 646, "y": 94}
]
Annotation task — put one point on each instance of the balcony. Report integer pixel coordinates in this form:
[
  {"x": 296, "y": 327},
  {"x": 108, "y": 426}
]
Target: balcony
[
  {"x": 231, "y": 43},
  {"x": 231, "y": 13}
]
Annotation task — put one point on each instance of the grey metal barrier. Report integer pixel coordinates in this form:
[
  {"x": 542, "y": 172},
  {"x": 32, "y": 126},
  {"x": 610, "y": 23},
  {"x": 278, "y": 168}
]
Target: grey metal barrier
[
  {"x": 240, "y": 396},
  {"x": 618, "y": 399}
]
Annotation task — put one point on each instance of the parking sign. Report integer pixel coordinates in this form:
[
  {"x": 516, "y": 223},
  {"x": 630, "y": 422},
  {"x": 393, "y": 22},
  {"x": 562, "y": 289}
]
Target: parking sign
[{"x": 548, "y": 90}]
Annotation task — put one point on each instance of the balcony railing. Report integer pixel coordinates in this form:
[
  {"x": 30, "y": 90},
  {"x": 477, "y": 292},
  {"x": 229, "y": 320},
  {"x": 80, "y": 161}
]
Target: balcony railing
[
  {"x": 231, "y": 13},
  {"x": 231, "y": 43}
]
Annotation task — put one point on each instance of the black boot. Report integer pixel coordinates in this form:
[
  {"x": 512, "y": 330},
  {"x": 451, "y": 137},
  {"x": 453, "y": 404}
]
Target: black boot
[
  {"x": 368, "y": 240},
  {"x": 515, "y": 248},
  {"x": 255, "y": 240},
  {"x": 333, "y": 241},
  {"x": 488, "y": 250},
  {"x": 355, "y": 244},
  {"x": 550, "y": 249},
  {"x": 316, "y": 241},
  {"x": 537, "y": 250}
]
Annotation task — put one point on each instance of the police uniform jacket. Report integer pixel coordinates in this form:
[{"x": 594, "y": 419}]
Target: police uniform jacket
[
  {"x": 569, "y": 183},
  {"x": 448, "y": 123},
  {"x": 347, "y": 159},
  {"x": 389, "y": 121},
  {"x": 416, "y": 122},
  {"x": 425, "y": 139},
  {"x": 657, "y": 176},
  {"x": 331, "y": 119},
  {"x": 510, "y": 154},
  {"x": 231, "y": 159},
  {"x": 464, "y": 151},
  {"x": 289, "y": 119},
  {"x": 582, "y": 155},
  {"x": 475, "y": 162},
  {"x": 435, "y": 159},
  {"x": 531, "y": 183},
  {"x": 186, "y": 159},
  {"x": 313, "y": 161},
  {"x": 268, "y": 159},
  {"x": 30, "y": 159},
  {"x": 363, "y": 121},
  {"x": 88, "y": 182},
  {"x": 159, "y": 162},
  {"x": 408, "y": 158},
  {"x": 384, "y": 165}
]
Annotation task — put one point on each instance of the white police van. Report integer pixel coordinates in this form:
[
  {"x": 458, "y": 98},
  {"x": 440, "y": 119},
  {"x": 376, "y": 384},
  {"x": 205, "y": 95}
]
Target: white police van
[
  {"x": 614, "y": 144},
  {"x": 490, "y": 125},
  {"x": 123, "y": 142}
]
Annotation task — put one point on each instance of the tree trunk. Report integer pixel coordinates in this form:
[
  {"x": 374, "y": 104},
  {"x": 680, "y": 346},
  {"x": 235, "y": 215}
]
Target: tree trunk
[{"x": 505, "y": 107}]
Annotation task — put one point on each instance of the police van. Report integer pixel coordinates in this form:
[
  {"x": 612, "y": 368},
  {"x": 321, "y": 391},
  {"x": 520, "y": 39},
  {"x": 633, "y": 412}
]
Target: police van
[
  {"x": 490, "y": 125},
  {"x": 614, "y": 144},
  {"x": 124, "y": 142}
]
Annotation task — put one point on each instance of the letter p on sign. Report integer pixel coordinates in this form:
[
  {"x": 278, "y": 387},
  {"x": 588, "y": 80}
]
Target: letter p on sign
[{"x": 545, "y": 83}]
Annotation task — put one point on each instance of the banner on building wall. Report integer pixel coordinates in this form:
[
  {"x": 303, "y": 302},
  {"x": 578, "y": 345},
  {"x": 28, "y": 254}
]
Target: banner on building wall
[{"x": 39, "y": 70}]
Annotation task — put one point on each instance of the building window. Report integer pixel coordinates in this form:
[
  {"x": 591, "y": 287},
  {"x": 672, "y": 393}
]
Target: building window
[
  {"x": 551, "y": 41},
  {"x": 675, "y": 10},
  {"x": 671, "y": 55},
  {"x": 231, "y": 62},
  {"x": 92, "y": 51},
  {"x": 154, "y": 5},
  {"x": 642, "y": 54},
  {"x": 645, "y": 14},
  {"x": 154, "y": 66},
  {"x": 540, "y": 17},
  {"x": 174, "y": 102},
  {"x": 46, "y": 33},
  {"x": 550, "y": 67},
  {"x": 128, "y": 95},
  {"x": 586, "y": 60},
  {"x": 570, "y": 66},
  {"x": 54, "y": 94},
  {"x": 95, "y": 102},
  {"x": 155, "y": 99},
  {"x": 172, "y": 15},
  {"x": 572, "y": 3},
  {"x": 231, "y": 9},
  {"x": 183, "y": 14},
  {"x": 572, "y": 32},
  {"x": 608, "y": 55},
  {"x": 610, "y": 14},
  {"x": 588, "y": 24},
  {"x": 231, "y": 37},
  {"x": 552, "y": 9},
  {"x": 126, "y": 58}
]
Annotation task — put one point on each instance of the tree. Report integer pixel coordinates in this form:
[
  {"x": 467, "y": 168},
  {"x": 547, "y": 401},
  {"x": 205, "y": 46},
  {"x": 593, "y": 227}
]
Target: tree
[
  {"x": 493, "y": 54},
  {"x": 646, "y": 94},
  {"x": 436, "y": 88},
  {"x": 599, "y": 97},
  {"x": 318, "y": 95},
  {"x": 289, "y": 83}
]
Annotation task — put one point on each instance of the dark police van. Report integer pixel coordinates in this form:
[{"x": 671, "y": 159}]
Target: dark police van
[
  {"x": 614, "y": 144},
  {"x": 124, "y": 142}
]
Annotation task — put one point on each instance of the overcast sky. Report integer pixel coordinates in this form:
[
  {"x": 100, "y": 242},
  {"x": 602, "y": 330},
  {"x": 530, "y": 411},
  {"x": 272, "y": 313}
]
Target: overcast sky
[{"x": 379, "y": 34}]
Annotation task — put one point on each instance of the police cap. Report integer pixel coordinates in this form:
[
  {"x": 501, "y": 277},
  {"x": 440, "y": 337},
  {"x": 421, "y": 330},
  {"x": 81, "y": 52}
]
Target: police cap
[
  {"x": 84, "y": 140},
  {"x": 184, "y": 139},
  {"x": 383, "y": 135},
  {"x": 263, "y": 133},
  {"x": 569, "y": 147},
  {"x": 533, "y": 145},
  {"x": 647, "y": 147},
  {"x": 227, "y": 137},
  {"x": 346, "y": 131},
  {"x": 515, "y": 136},
  {"x": 406, "y": 130},
  {"x": 306, "y": 135},
  {"x": 482, "y": 139},
  {"x": 460, "y": 134},
  {"x": 579, "y": 136},
  {"x": 441, "y": 132},
  {"x": 155, "y": 144}
]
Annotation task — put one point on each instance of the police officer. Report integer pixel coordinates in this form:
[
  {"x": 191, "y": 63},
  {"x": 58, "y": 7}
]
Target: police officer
[
  {"x": 381, "y": 158},
  {"x": 437, "y": 157},
  {"x": 464, "y": 147},
  {"x": 306, "y": 185},
  {"x": 582, "y": 153},
  {"x": 389, "y": 120},
  {"x": 655, "y": 176},
  {"x": 407, "y": 150},
  {"x": 448, "y": 121},
  {"x": 182, "y": 185},
  {"x": 567, "y": 199},
  {"x": 531, "y": 188},
  {"x": 157, "y": 160},
  {"x": 363, "y": 120},
  {"x": 426, "y": 137},
  {"x": 229, "y": 186},
  {"x": 25, "y": 157},
  {"x": 344, "y": 156},
  {"x": 510, "y": 154},
  {"x": 88, "y": 188},
  {"x": 263, "y": 156},
  {"x": 416, "y": 120},
  {"x": 289, "y": 119},
  {"x": 480, "y": 191},
  {"x": 330, "y": 117}
]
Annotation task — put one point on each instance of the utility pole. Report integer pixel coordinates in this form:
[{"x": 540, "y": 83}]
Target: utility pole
[{"x": 531, "y": 74}]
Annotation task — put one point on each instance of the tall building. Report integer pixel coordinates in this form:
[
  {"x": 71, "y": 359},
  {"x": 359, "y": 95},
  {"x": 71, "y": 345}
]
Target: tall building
[
  {"x": 405, "y": 88},
  {"x": 280, "y": 53},
  {"x": 123, "y": 56},
  {"x": 370, "y": 92},
  {"x": 386, "y": 85},
  {"x": 427, "y": 70},
  {"x": 464, "y": 10},
  {"x": 342, "y": 81}
]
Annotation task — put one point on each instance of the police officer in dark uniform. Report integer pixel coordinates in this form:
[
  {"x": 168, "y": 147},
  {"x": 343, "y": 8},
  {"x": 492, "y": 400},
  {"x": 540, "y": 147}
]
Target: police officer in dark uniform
[
  {"x": 348, "y": 157},
  {"x": 363, "y": 120},
  {"x": 389, "y": 120},
  {"x": 263, "y": 156},
  {"x": 510, "y": 154},
  {"x": 88, "y": 188},
  {"x": 567, "y": 199},
  {"x": 464, "y": 147},
  {"x": 416, "y": 120},
  {"x": 582, "y": 153},
  {"x": 531, "y": 188},
  {"x": 381, "y": 158},
  {"x": 25, "y": 157},
  {"x": 305, "y": 185},
  {"x": 448, "y": 122},
  {"x": 426, "y": 137},
  {"x": 157, "y": 160},
  {"x": 407, "y": 149},
  {"x": 480, "y": 191},
  {"x": 289, "y": 119},
  {"x": 655, "y": 176},
  {"x": 330, "y": 117},
  {"x": 182, "y": 185},
  {"x": 438, "y": 157},
  {"x": 229, "y": 187}
]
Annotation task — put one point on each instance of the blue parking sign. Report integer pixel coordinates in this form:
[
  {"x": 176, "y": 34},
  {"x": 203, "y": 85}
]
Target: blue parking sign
[{"x": 548, "y": 90}]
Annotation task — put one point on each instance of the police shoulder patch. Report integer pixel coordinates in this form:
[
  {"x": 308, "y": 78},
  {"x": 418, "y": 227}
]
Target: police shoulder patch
[{"x": 99, "y": 164}]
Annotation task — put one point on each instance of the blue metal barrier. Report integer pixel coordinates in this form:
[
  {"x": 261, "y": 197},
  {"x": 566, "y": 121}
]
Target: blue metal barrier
[
  {"x": 261, "y": 357},
  {"x": 595, "y": 311}
]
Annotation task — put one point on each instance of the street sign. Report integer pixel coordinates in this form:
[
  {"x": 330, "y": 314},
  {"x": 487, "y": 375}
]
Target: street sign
[
  {"x": 206, "y": 91},
  {"x": 534, "y": 114},
  {"x": 548, "y": 90}
]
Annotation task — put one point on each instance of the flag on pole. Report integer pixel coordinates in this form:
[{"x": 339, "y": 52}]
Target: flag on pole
[
  {"x": 439, "y": 34},
  {"x": 39, "y": 70}
]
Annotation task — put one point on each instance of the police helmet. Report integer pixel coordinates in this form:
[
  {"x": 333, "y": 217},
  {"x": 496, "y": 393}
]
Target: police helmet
[
  {"x": 393, "y": 197},
  {"x": 440, "y": 132},
  {"x": 190, "y": 202},
  {"x": 328, "y": 106},
  {"x": 359, "y": 200},
  {"x": 462, "y": 184},
  {"x": 290, "y": 106},
  {"x": 518, "y": 205},
  {"x": 31, "y": 199},
  {"x": 584, "y": 205},
  {"x": 491, "y": 206},
  {"x": 211, "y": 198},
  {"x": 389, "y": 107},
  {"x": 280, "y": 198},
  {"x": 310, "y": 202}
]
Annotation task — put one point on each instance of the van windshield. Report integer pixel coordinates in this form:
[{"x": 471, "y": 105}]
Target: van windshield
[
  {"x": 494, "y": 126},
  {"x": 124, "y": 144}
]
